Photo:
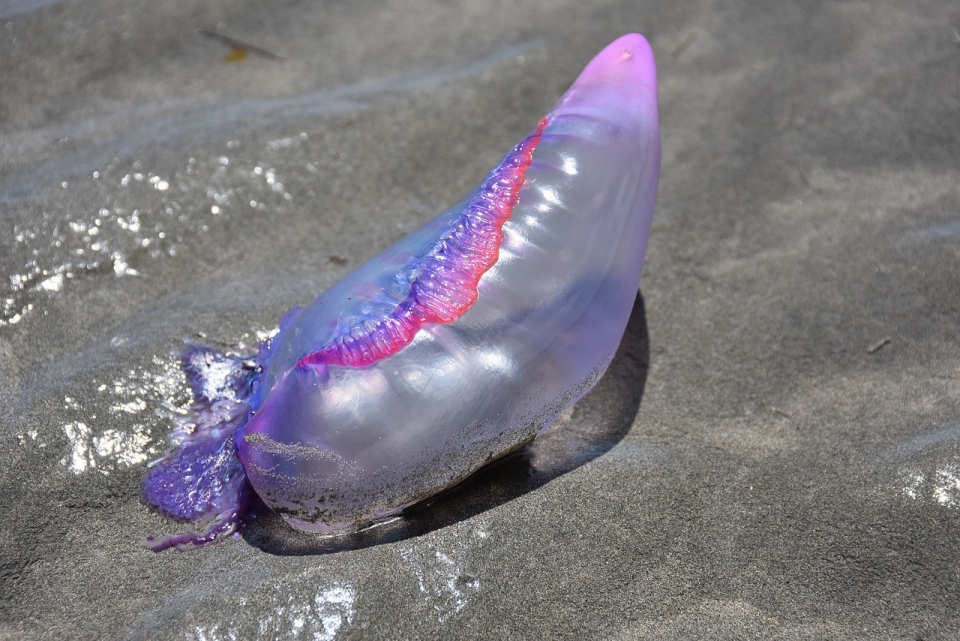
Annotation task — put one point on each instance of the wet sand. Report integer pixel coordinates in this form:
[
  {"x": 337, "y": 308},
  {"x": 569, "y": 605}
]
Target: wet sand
[{"x": 775, "y": 452}]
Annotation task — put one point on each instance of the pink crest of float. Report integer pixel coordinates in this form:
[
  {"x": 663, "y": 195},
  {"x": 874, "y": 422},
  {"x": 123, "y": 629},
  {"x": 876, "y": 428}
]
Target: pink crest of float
[{"x": 445, "y": 278}]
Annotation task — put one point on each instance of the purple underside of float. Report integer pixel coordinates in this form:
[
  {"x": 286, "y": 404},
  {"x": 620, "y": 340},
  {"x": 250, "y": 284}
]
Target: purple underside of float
[{"x": 202, "y": 479}]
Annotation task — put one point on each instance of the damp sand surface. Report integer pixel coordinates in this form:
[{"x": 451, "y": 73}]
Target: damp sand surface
[{"x": 774, "y": 453}]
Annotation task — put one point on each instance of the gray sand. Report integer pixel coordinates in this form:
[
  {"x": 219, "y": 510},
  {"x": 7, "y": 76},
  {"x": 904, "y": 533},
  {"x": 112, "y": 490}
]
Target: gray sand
[{"x": 775, "y": 453}]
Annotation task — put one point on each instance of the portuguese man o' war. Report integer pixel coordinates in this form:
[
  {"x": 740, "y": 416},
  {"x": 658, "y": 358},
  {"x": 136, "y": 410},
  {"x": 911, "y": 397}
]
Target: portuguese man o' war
[{"x": 447, "y": 351}]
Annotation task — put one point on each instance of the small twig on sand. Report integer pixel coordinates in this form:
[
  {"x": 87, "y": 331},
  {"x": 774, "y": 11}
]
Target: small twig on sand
[
  {"x": 239, "y": 44},
  {"x": 684, "y": 44},
  {"x": 878, "y": 346}
]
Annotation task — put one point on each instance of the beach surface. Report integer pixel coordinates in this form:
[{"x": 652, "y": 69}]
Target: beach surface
[{"x": 774, "y": 453}]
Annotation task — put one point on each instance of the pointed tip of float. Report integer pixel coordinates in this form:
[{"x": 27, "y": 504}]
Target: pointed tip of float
[
  {"x": 628, "y": 57},
  {"x": 627, "y": 62},
  {"x": 624, "y": 72}
]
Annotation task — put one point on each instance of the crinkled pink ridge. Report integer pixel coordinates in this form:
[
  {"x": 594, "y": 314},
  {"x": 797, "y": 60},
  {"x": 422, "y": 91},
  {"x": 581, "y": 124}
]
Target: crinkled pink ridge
[{"x": 446, "y": 276}]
